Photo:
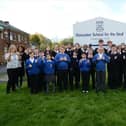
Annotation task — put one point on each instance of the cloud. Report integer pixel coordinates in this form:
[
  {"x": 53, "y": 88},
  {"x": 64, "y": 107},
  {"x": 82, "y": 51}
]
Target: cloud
[{"x": 54, "y": 18}]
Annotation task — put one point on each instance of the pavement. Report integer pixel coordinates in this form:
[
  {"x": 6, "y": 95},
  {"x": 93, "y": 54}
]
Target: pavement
[
  {"x": 3, "y": 74},
  {"x": 3, "y": 69}
]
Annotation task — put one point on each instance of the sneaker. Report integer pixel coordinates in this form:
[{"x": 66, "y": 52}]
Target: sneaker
[
  {"x": 86, "y": 91},
  {"x": 83, "y": 91}
]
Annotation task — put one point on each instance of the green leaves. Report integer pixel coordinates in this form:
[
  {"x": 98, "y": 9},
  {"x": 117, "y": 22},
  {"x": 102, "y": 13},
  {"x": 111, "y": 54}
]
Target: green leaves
[{"x": 40, "y": 40}]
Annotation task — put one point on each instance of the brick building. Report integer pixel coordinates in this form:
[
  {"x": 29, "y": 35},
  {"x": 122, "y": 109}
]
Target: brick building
[{"x": 11, "y": 35}]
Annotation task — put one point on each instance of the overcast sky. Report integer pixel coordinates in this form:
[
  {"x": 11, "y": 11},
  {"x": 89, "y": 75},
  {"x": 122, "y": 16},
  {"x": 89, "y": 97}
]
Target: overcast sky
[{"x": 55, "y": 18}]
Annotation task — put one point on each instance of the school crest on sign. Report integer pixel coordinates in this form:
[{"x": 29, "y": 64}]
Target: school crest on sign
[{"x": 99, "y": 26}]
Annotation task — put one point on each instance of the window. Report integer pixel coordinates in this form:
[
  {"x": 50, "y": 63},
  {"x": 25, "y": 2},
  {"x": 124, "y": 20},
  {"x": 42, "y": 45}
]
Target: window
[
  {"x": 19, "y": 38},
  {"x": 11, "y": 36},
  {"x": 6, "y": 35},
  {"x": 14, "y": 36},
  {"x": 22, "y": 38},
  {"x": 1, "y": 35}
]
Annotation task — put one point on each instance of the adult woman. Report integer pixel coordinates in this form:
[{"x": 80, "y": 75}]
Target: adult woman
[{"x": 12, "y": 65}]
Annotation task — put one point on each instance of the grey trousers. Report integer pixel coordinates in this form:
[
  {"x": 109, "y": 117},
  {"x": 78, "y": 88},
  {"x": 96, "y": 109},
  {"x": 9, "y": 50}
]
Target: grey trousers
[
  {"x": 53, "y": 85},
  {"x": 100, "y": 81}
]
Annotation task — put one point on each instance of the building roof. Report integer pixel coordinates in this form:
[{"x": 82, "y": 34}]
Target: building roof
[{"x": 6, "y": 25}]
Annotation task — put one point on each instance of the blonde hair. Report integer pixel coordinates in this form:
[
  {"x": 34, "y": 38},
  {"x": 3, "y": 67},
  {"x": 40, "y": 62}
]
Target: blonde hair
[{"x": 12, "y": 47}]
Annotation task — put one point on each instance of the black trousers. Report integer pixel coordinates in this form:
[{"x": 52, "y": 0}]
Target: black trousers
[
  {"x": 120, "y": 78},
  {"x": 100, "y": 81},
  {"x": 50, "y": 79},
  {"x": 74, "y": 75},
  {"x": 28, "y": 79},
  {"x": 34, "y": 83},
  {"x": 124, "y": 78},
  {"x": 85, "y": 75},
  {"x": 12, "y": 79},
  {"x": 42, "y": 83},
  {"x": 113, "y": 79},
  {"x": 62, "y": 79},
  {"x": 20, "y": 76},
  {"x": 92, "y": 75}
]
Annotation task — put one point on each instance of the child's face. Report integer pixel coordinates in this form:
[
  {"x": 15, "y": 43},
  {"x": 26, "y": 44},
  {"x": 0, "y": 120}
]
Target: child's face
[
  {"x": 74, "y": 54},
  {"x": 20, "y": 49},
  {"x": 83, "y": 55},
  {"x": 32, "y": 55},
  {"x": 36, "y": 51},
  {"x": 101, "y": 50},
  {"x": 41, "y": 54},
  {"x": 48, "y": 48},
  {"x": 62, "y": 50},
  {"x": 114, "y": 49},
  {"x": 101, "y": 43},
  {"x": 90, "y": 53},
  {"x": 48, "y": 57},
  {"x": 110, "y": 44}
]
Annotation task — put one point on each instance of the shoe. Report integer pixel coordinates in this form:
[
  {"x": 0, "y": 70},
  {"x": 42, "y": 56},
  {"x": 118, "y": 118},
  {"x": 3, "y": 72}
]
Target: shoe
[
  {"x": 86, "y": 91},
  {"x": 83, "y": 91}
]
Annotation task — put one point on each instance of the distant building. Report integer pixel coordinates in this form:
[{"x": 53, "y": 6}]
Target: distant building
[
  {"x": 90, "y": 31},
  {"x": 11, "y": 35}
]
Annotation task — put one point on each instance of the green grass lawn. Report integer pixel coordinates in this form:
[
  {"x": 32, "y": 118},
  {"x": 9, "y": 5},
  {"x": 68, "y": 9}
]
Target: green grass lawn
[{"x": 62, "y": 109}]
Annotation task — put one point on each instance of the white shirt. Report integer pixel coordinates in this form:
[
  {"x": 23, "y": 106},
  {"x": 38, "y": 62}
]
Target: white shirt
[
  {"x": 13, "y": 62},
  {"x": 32, "y": 60},
  {"x": 100, "y": 55}
]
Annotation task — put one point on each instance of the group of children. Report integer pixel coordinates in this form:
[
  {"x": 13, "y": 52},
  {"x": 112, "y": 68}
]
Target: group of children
[{"x": 72, "y": 67}]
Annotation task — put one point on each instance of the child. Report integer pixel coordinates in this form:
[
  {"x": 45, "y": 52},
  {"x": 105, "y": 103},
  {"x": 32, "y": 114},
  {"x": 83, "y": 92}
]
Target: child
[
  {"x": 85, "y": 66},
  {"x": 41, "y": 75},
  {"x": 92, "y": 70},
  {"x": 49, "y": 70},
  {"x": 124, "y": 66},
  {"x": 62, "y": 65},
  {"x": 74, "y": 71},
  {"x": 21, "y": 69},
  {"x": 32, "y": 66},
  {"x": 100, "y": 60},
  {"x": 114, "y": 68}
]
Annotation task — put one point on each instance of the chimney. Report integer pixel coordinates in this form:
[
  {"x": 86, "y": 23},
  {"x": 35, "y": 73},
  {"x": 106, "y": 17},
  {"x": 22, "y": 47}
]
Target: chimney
[{"x": 6, "y": 22}]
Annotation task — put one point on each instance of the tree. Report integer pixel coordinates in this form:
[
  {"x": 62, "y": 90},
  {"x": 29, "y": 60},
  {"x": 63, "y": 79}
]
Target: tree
[
  {"x": 35, "y": 40},
  {"x": 67, "y": 41},
  {"x": 40, "y": 40}
]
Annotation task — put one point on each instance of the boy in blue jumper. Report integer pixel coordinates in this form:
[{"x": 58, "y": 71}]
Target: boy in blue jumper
[
  {"x": 49, "y": 70},
  {"x": 32, "y": 66},
  {"x": 42, "y": 75},
  {"x": 100, "y": 60},
  {"x": 62, "y": 65},
  {"x": 85, "y": 66}
]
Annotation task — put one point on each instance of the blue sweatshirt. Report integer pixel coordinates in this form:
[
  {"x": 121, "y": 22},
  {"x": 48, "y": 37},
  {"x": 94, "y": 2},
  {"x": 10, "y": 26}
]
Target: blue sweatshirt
[
  {"x": 41, "y": 60},
  {"x": 62, "y": 64},
  {"x": 85, "y": 65},
  {"x": 33, "y": 68},
  {"x": 49, "y": 67},
  {"x": 101, "y": 63}
]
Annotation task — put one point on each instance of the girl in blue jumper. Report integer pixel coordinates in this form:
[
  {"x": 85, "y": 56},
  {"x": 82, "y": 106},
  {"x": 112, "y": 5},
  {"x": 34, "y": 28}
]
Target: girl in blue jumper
[
  {"x": 49, "y": 70},
  {"x": 85, "y": 66},
  {"x": 33, "y": 68},
  {"x": 100, "y": 60}
]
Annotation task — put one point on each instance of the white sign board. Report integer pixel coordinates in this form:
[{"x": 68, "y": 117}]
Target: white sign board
[{"x": 89, "y": 32}]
